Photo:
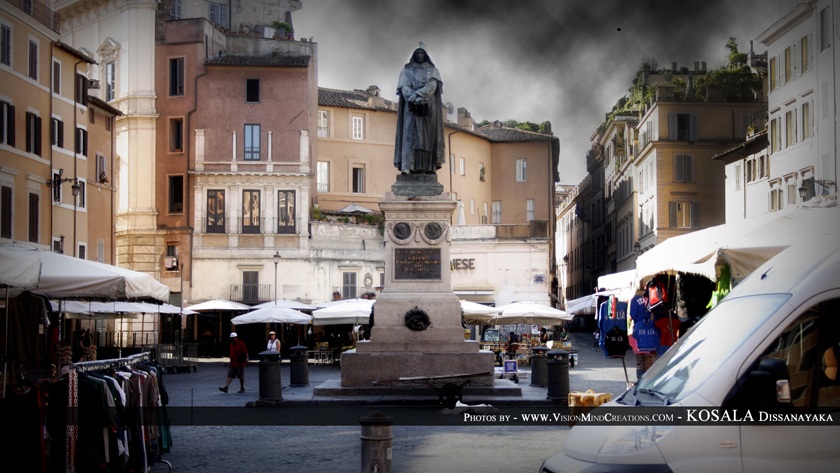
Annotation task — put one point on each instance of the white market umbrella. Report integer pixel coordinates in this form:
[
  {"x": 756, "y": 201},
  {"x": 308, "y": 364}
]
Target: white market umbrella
[
  {"x": 218, "y": 305},
  {"x": 280, "y": 315},
  {"x": 477, "y": 313},
  {"x": 344, "y": 301},
  {"x": 351, "y": 311},
  {"x": 289, "y": 304},
  {"x": 532, "y": 313},
  {"x": 67, "y": 277}
]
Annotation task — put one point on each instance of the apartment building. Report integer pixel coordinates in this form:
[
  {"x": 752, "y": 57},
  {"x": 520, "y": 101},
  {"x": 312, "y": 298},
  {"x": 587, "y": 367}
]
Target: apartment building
[
  {"x": 789, "y": 155},
  {"x": 53, "y": 140}
]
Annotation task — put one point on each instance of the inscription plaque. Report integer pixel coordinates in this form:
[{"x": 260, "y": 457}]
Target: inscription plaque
[{"x": 417, "y": 263}]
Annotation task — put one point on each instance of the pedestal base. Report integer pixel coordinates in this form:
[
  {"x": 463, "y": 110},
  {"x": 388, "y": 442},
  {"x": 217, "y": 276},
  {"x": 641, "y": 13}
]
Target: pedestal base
[
  {"x": 412, "y": 185},
  {"x": 386, "y": 368}
]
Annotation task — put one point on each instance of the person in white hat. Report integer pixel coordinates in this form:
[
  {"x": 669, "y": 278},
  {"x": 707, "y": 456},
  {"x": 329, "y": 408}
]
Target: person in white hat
[
  {"x": 238, "y": 361},
  {"x": 273, "y": 343}
]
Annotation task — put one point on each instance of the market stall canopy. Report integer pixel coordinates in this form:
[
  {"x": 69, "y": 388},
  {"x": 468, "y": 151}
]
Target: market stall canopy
[
  {"x": 349, "y": 311},
  {"x": 218, "y": 305},
  {"x": 280, "y": 315},
  {"x": 116, "y": 307},
  {"x": 477, "y": 313},
  {"x": 743, "y": 245},
  {"x": 527, "y": 312},
  {"x": 66, "y": 277},
  {"x": 18, "y": 270},
  {"x": 344, "y": 301},
  {"x": 297, "y": 305}
]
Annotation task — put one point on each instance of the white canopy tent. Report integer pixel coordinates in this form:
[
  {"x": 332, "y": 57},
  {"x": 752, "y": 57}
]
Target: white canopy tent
[
  {"x": 347, "y": 311},
  {"x": 476, "y": 313},
  {"x": 280, "y": 315},
  {"x": 66, "y": 277},
  {"x": 527, "y": 312},
  {"x": 744, "y": 245},
  {"x": 296, "y": 305},
  {"x": 219, "y": 305}
]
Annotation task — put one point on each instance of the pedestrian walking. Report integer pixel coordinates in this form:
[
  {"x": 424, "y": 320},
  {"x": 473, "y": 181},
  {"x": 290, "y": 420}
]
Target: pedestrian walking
[
  {"x": 596, "y": 338},
  {"x": 238, "y": 361}
]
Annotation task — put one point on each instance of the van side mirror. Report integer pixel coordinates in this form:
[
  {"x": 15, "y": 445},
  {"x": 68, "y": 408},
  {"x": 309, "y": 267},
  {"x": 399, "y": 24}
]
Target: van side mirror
[
  {"x": 770, "y": 385},
  {"x": 767, "y": 388}
]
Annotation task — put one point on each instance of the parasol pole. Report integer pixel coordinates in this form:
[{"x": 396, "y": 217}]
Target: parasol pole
[{"x": 6, "y": 347}]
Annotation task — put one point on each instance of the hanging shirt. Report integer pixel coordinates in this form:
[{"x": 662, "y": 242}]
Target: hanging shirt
[
  {"x": 607, "y": 323},
  {"x": 668, "y": 332}
]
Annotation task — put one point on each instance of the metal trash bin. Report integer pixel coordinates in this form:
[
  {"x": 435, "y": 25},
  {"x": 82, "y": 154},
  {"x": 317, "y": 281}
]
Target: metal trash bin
[
  {"x": 539, "y": 368},
  {"x": 298, "y": 366},
  {"x": 558, "y": 375},
  {"x": 270, "y": 383}
]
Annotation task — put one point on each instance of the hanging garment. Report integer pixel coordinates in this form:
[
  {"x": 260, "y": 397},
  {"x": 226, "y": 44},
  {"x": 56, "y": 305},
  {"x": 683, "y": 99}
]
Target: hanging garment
[{"x": 607, "y": 323}]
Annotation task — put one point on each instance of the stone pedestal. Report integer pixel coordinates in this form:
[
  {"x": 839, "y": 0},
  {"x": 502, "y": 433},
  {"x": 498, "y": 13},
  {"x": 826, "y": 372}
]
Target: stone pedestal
[{"x": 417, "y": 328}]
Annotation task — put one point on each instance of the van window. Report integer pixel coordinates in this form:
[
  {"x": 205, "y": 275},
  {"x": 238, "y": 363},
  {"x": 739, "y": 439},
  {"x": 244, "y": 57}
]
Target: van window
[
  {"x": 810, "y": 346},
  {"x": 697, "y": 355}
]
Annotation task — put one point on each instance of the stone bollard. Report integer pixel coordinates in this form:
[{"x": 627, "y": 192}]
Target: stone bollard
[{"x": 376, "y": 442}]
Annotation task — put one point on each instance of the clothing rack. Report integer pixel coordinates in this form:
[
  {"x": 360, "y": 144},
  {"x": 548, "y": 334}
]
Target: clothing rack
[
  {"x": 100, "y": 364},
  {"x": 112, "y": 362}
]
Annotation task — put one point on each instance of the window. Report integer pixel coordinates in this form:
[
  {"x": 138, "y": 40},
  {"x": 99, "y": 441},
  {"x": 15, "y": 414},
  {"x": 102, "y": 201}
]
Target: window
[
  {"x": 215, "y": 211},
  {"x": 791, "y": 190},
  {"x": 100, "y": 251},
  {"x": 219, "y": 14},
  {"x": 521, "y": 170},
  {"x": 250, "y": 211},
  {"x": 252, "y": 90},
  {"x": 472, "y": 206},
  {"x": 176, "y": 194},
  {"x": 81, "y": 252},
  {"x": 175, "y": 10},
  {"x": 452, "y": 163},
  {"x": 7, "y": 123},
  {"x": 81, "y": 199},
  {"x": 176, "y": 76},
  {"x": 738, "y": 177},
  {"x": 807, "y": 128},
  {"x": 776, "y": 202},
  {"x": 57, "y": 132},
  {"x": 497, "y": 212},
  {"x": 348, "y": 285},
  {"x": 110, "y": 81},
  {"x": 323, "y": 124},
  {"x": 286, "y": 212},
  {"x": 250, "y": 285},
  {"x": 807, "y": 346},
  {"x": 358, "y": 180},
  {"x": 101, "y": 169},
  {"x": 323, "y": 176},
  {"x": 462, "y": 166},
  {"x": 81, "y": 141},
  {"x": 788, "y": 64},
  {"x": 803, "y": 54},
  {"x": 790, "y": 128},
  {"x": 6, "y": 206},
  {"x": 34, "y": 216},
  {"x": 529, "y": 209},
  {"x": 683, "y": 214},
  {"x": 684, "y": 168},
  {"x": 56, "y": 188},
  {"x": 825, "y": 29},
  {"x": 33, "y": 60},
  {"x": 56, "y": 77},
  {"x": 81, "y": 94},
  {"x": 358, "y": 128},
  {"x": 683, "y": 127},
  {"x": 775, "y": 135},
  {"x": 774, "y": 70},
  {"x": 176, "y": 135},
  {"x": 33, "y": 133},
  {"x": 5, "y": 45},
  {"x": 252, "y": 142},
  {"x": 484, "y": 213}
]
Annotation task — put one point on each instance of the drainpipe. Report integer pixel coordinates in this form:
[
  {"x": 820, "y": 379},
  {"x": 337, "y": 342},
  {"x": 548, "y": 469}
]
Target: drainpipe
[
  {"x": 75, "y": 148},
  {"x": 52, "y": 87},
  {"x": 187, "y": 200}
]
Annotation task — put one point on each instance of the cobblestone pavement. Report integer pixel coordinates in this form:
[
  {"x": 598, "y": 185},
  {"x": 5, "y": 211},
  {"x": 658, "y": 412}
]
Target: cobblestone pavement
[{"x": 337, "y": 448}]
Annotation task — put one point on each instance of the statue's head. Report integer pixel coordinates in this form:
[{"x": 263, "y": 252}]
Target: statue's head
[{"x": 420, "y": 55}]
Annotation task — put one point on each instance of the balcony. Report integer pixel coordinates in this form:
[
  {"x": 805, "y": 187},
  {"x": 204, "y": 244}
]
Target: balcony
[
  {"x": 251, "y": 293},
  {"x": 40, "y": 12}
]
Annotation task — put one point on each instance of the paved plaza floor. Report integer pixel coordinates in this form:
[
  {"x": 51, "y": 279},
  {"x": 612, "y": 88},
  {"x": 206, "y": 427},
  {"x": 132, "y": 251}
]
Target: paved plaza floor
[{"x": 245, "y": 439}]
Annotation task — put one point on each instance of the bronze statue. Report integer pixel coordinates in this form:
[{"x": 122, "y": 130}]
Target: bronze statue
[{"x": 420, "y": 145}]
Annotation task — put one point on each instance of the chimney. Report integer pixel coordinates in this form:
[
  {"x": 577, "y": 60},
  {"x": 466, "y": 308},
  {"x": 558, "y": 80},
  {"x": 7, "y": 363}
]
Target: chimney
[
  {"x": 696, "y": 66},
  {"x": 465, "y": 120},
  {"x": 374, "y": 99},
  {"x": 674, "y": 67}
]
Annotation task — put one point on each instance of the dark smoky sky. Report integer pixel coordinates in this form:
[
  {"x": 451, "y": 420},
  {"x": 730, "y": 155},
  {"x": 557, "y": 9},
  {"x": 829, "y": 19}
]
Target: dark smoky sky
[{"x": 563, "y": 61}]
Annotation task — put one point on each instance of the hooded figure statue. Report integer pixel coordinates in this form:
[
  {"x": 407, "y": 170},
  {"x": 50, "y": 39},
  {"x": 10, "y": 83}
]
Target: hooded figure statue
[{"x": 420, "y": 143}]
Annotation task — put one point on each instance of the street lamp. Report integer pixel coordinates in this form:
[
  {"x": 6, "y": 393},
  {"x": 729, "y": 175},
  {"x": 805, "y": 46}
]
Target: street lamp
[
  {"x": 276, "y": 260},
  {"x": 637, "y": 248}
]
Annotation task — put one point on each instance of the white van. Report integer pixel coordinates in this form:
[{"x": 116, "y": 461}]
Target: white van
[{"x": 773, "y": 343}]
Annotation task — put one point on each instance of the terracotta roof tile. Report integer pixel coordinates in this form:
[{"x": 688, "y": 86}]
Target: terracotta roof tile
[{"x": 358, "y": 99}]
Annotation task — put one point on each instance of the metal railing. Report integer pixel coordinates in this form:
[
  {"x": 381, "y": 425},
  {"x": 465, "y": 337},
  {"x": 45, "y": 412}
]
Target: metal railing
[
  {"x": 178, "y": 357},
  {"x": 39, "y": 11}
]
